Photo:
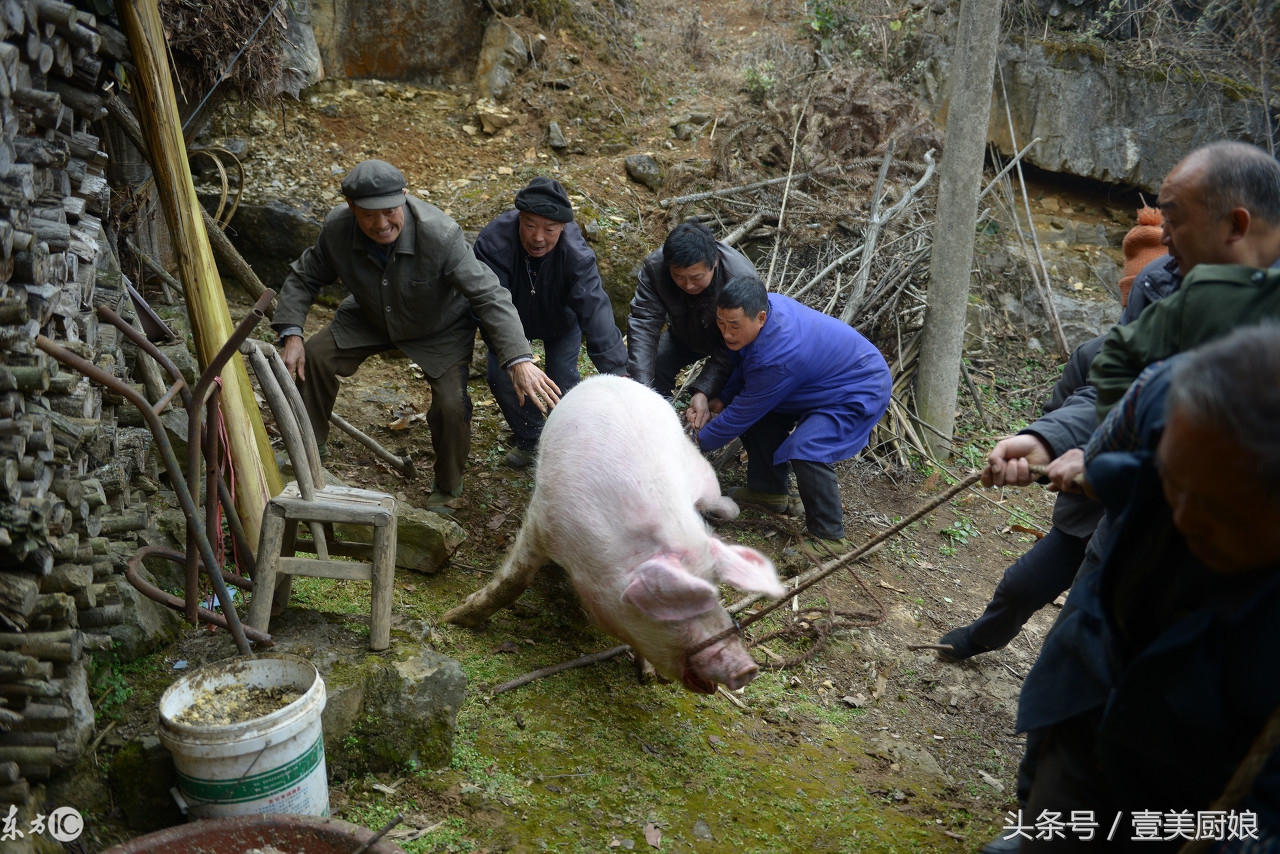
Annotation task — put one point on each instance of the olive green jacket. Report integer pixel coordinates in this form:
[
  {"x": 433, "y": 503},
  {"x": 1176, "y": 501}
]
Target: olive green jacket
[
  {"x": 1213, "y": 300},
  {"x": 425, "y": 302}
]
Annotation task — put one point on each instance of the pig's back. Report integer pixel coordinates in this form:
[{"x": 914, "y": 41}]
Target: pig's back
[{"x": 614, "y": 476}]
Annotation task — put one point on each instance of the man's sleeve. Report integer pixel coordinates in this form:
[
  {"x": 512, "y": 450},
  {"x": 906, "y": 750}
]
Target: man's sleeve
[
  {"x": 715, "y": 373},
  {"x": 591, "y": 305},
  {"x": 1069, "y": 425},
  {"x": 644, "y": 325},
  {"x": 1129, "y": 349},
  {"x": 307, "y": 275},
  {"x": 769, "y": 387},
  {"x": 490, "y": 302}
]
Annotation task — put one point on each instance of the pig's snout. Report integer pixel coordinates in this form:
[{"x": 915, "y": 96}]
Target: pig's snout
[{"x": 742, "y": 677}]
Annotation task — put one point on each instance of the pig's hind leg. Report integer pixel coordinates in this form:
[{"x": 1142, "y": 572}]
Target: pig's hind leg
[{"x": 517, "y": 572}]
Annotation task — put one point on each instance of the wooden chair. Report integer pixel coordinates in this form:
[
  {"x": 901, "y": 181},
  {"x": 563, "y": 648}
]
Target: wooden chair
[{"x": 308, "y": 499}]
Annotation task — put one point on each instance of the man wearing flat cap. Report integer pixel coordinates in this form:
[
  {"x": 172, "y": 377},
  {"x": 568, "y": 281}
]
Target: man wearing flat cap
[
  {"x": 539, "y": 255},
  {"x": 412, "y": 285}
]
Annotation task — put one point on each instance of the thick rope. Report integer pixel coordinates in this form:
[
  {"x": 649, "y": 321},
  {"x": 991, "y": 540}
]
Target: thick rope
[{"x": 845, "y": 559}]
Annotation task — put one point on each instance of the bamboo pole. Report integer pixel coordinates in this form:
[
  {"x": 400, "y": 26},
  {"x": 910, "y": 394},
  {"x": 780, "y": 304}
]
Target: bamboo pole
[{"x": 251, "y": 457}]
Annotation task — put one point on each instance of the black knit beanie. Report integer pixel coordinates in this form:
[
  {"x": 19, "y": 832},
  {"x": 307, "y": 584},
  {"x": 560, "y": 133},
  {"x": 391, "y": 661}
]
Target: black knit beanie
[{"x": 545, "y": 197}]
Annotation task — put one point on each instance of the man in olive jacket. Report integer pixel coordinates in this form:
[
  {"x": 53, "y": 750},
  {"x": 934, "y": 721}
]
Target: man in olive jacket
[
  {"x": 1221, "y": 208},
  {"x": 677, "y": 287},
  {"x": 413, "y": 285}
]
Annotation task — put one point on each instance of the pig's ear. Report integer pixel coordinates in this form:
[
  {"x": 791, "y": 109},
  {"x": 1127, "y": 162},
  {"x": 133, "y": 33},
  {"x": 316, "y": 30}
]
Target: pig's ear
[
  {"x": 664, "y": 590},
  {"x": 746, "y": 569}
]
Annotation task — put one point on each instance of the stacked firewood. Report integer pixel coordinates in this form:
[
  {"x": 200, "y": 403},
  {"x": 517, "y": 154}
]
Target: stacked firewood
[{"x": 68, "y": 511}]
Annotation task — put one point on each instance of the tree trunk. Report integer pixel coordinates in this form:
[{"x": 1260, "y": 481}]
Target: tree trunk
[{"x": 942, "y": 340}]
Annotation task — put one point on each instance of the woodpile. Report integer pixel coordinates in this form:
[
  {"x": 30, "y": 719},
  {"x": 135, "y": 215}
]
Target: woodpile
[{"x": 69, "y": 514}]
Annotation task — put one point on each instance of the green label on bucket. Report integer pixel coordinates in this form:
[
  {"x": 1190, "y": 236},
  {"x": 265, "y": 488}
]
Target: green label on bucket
[{"x": 257, "y": 786}]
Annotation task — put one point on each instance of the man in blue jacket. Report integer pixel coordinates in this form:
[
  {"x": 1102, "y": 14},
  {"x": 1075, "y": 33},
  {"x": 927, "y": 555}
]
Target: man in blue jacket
[
  {"x": 540, "y": 256},
  {"x": 804, "y": 392}
]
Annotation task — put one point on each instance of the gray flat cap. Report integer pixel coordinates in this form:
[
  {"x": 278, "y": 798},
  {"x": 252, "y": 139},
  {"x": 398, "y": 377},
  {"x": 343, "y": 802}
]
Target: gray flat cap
[{"x": 374, "y": 185}]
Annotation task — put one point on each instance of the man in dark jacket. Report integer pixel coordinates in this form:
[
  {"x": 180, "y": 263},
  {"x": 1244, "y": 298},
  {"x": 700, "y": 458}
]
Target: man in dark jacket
[
  {"x": 413, "y": 285},
  {"x": 539, "y": 255},
  {"x": 677, "y": 288},
  {"x": 1160, "y": 673}
]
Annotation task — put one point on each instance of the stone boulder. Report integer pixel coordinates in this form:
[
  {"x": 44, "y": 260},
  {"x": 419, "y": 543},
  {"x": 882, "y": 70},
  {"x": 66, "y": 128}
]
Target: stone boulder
[
  {"x": 385, "y": 711},
  {"x": 428, "y": 41},
  {"x": 425, "y": 540},
  {"x": 300, "y": 60},
  {"x": 146, "y": 625},
  {"x": 503, "y": 56},
  {"x": 643, "y": 169},
  {"x": 271, "y": 236},
  {"x": 1140, "y": 123}
]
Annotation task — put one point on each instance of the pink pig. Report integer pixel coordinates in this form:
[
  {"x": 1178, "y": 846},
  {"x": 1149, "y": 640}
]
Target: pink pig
[{"x": 616, "y": 503}]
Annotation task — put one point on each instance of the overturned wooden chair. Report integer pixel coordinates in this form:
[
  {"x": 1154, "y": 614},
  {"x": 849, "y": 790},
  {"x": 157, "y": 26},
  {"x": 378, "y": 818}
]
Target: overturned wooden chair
[{"x": 308, "y": 499}]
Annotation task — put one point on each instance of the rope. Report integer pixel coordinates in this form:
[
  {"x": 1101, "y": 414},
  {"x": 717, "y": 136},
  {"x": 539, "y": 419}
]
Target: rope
[{"x": 844, "y": 560}]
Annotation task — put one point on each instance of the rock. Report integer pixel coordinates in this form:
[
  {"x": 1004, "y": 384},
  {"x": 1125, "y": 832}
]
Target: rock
[
  {"x": 146, "y": 625},
  {"x": 431, "y": 40},
  {"x": 1140, "y": 123},
  {"x": 272, "y": 236},
  {"x": 702, "y": 830},
  {"x": 300, "y": 60},
  {"x": 906, "y": 753},
  {"x": 556, "y": 137},
  {"x": 684, "y": 131},
  {"x": 385, "y": 710},
  {"x": 502, "y": 57},
  {"x": 643, "y": 169},
  {"x": 492, "y": 117},
  {"x": 424, "y": 540},
  {"x": 1081, "y": 319},
  {"x": 140, "y": 776},
  {"x": 614, "y": 147}
]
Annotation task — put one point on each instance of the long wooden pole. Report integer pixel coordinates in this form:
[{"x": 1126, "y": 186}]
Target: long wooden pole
[{"x": 255, "y": 469}]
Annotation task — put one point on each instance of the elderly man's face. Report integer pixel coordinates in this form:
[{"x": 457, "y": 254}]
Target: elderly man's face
[
  {"x": 380, "y": 226},
  {"x": 1218, "y": 499},
  {"x": 539, "y": 234},
  {"x": 1192, "y": 234}
]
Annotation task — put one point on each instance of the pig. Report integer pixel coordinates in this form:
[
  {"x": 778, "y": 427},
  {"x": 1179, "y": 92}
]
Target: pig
[{"x": 617, "y": 500}]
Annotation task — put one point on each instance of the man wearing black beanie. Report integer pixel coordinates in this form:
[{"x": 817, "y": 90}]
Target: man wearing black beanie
[{"x": 541, "y": 257}]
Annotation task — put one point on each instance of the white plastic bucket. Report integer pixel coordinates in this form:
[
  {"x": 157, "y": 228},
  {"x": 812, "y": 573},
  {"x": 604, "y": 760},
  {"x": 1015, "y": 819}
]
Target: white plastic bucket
[{"x": 271, "y": 764}]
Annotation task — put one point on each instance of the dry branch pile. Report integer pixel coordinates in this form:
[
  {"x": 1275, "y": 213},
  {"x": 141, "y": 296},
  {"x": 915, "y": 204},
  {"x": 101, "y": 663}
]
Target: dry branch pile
[
  {"x": 65, "y": 462},
  {"x": 836, "y": 189}
]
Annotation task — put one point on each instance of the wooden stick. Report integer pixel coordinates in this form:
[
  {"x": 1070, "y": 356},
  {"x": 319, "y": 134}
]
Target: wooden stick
[
  {"x": 211, "y": 324},
  {"x": 559, "y": 668}
]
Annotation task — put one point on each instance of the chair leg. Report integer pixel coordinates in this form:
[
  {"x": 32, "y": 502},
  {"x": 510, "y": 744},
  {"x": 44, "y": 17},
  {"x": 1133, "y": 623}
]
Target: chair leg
[
  {"x": 284, "y": 583},
  {"x": 382, "y": 582},
  {"x": 270, "y": 542}
]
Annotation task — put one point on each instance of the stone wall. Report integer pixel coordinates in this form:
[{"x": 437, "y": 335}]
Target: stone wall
[
  {"x": 414, "y": 40},
  {"x": 1095, "y": 118}
]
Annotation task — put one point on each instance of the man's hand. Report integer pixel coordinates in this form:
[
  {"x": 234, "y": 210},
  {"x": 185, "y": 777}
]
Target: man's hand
[
  {"x": 529, "y": 381},
  {"x": 295, "y": 357},
  {"x": 1009, "y": 464},
  {"x": 1066, "y": 473},
  {"x": 701, "y": 410}
]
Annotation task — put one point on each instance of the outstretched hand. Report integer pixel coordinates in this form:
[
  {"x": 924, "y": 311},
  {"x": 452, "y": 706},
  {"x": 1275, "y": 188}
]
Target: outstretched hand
[{"x": 530, "y": 382}]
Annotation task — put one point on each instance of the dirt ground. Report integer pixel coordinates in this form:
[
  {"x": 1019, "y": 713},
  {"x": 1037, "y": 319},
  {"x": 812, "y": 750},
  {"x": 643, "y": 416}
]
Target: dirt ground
[{"x": 870, "y": 745}]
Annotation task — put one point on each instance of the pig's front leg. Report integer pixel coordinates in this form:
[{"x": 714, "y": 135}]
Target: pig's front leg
[
  {"x": 706, "y": 490},
  {"x": 510, "y": 581}
]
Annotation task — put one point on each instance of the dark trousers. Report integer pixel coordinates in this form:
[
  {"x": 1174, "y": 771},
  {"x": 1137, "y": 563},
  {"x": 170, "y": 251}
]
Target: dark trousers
[
  {"x": 448, "y": 418},
  {"x": 816, "y": 482},
  {"x": 672, "y": 357},
  {"x": 1031, "y": 582},
  {"x": 561, "y": 365}
]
